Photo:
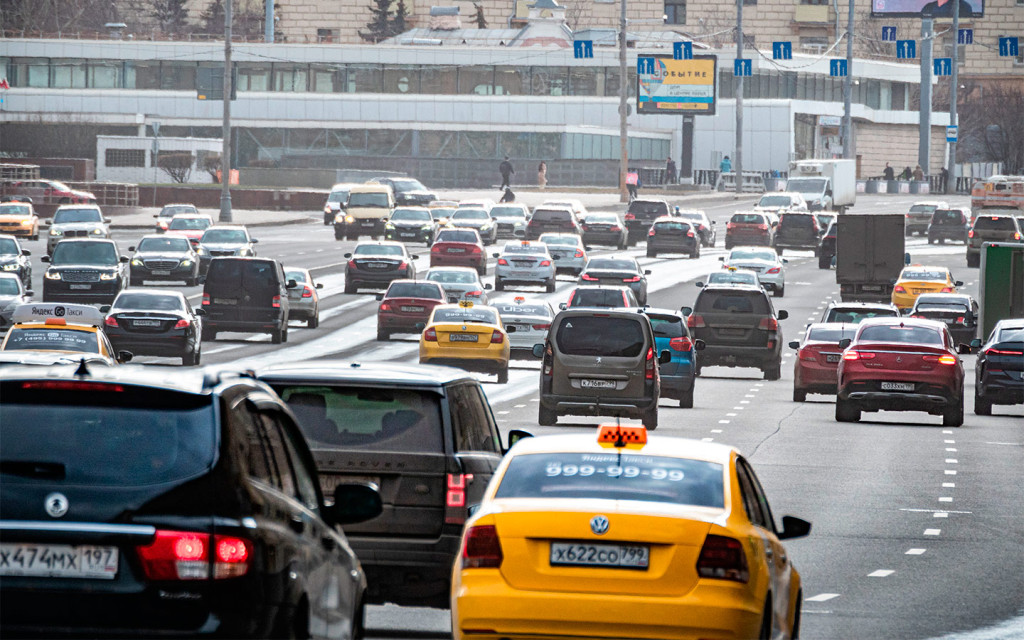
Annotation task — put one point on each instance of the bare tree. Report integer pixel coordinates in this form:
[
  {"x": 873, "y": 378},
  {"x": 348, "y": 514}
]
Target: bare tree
[
  {"x": 177, "y": 165},
  {"x": 52, "y": 16},
  {"x": 577, "y": 14},
  {"x": 991, "y": 125},
  {"x": 478, "y": 17}
]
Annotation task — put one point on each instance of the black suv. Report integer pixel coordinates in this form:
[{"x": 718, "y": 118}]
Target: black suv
[
  {"x": 84, "y": 271},
  {"x": 141, "y": 505},
  {"x": 739, "y": 327},
  {"x": 797, "y": 231},
  {"x": 639, "y": 217},
  {"x": 164, "y": 257},
  {"x": 246, "y": 294},
  {"x": 552, "y": 220},
  {"x": 425, "y": 435},
  {"x": 989, "y": 227}
]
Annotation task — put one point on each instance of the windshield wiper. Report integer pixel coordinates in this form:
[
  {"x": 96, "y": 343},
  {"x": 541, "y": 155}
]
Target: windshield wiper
[{"x": 33, "y": 469}]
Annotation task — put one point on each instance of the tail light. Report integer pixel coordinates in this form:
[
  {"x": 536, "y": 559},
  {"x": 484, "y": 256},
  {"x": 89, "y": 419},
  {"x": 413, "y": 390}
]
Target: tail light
[
  {"x": 430, "y": 335},
  {"x": 689, "y": 234},
  {"x": 497, "y": 337},
  {"x": 947, "y": 289},
  {"x": 768, "y": 324},
  {"x": 456, "y": 495},
  {"x": 899, "y": 289},
  {"x": 807, "y": 355},
  {"x": 629, "y": 216},
  {"x": 588, "y": 277},
  {"x": 947, "y": 360},
  {"x": 352, "y": 264},
  {"x": 403, "y": 265},
  {"x": 183, "y": 555},
  {"x": 633, "y": 279},
  {"x": 762, "y": 227},
  {"x": 276, "y": 302},
  {"x": 774, "y": 270},
  {"x": 681, "y": 344},
  {"x": 918, "y": 316},
  {"x": 723, "y": 558},
  {"x": 541, "y": 327},
  {"x": 483, "y": 548},
  {"x": 206, "y": 299},
  {"x": 545, "y": 263},
  {"x": 651, "y": 232},
  {"x": 307, "y": 292},
  {"x": 695, "y": 322},
  {"x": 858, "y": 355},
  {"x": 1016, "y": 235},
  {"x": 385, "y": 306},
  {"x": 111, "y": 321},
  {"x": 474, "y": 249},
  {"x": 584, "y": 227},
  {"x": 970, "y": 234},
  {"x": 729, "y": 226},
  {"x": 435, "y": 249},
  {"x": 578, "y": 254},
  {"x": 616, "y": 228},
  {"x": 474, "y": 294},
  {"x": 960, "y": 320},
  {"x": 503, "y": 262},
  {"x": 182, "y": 324},
  {"x": 1003, "y": 352},
  {"x": 650, "y": 369}
]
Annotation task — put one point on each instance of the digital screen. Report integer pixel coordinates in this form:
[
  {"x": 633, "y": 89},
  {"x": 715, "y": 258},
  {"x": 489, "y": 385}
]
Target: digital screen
[{"x": 926, "y": 8}]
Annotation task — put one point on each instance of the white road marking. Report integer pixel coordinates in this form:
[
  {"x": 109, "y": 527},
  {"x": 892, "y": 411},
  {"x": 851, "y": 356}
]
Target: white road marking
[
  {"x": 730, "y": 415},
  {"x": 935, "y": 511},
  {"x": 950, "y": 450},
  {"x": 707, "y": 439},
  {"x": 950, "y": 472},
  {"x": 744, "y": 401},
  {"x": 951, "y": 460},
  {"x": 932, "y": 532},
  {"x": 758, "y": 384},
  {"x": 518, "y": 406},
  {"x": 738, "y": 408},
  {"x": 914, "y": 552},
  {"x": 716, "y": 431},
  {"x": 822, "y": 597},
  {"x": 946, "y": 499},
  {"x": 749, "y": 396},
  {"x": 503, "y": 413},
  {"x": 534, "y": 399},
  {"x": 881, "y": 573},
  {"x": 949, "y": 441},
  {"x": 948, "y": 485},
  {"x": 946, "y": 431},
  {"x": 722, "y": 422},
  {"x": 753, "y": 390},
  {"x": 940, "y": 514}
]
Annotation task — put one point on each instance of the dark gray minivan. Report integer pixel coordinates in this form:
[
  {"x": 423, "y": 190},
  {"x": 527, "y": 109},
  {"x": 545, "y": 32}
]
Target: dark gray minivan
[
  {"x": 248, "y": 295},
  {"x": 600, "y": 362}
]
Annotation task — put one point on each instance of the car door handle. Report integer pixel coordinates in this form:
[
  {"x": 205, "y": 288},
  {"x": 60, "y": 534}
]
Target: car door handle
[{"x": 297, "y": 524}]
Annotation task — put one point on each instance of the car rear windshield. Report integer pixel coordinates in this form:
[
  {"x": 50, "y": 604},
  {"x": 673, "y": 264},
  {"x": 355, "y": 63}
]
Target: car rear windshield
[
  {"x": 775, "y": 201},
  {"x": 592, "y": 297},
  {"x": 415, "y": 290},
  {"x": 247, "y": 275},
  {"x": 537, "y": 310},
  {"x": 119, "y": 437},
  {"x": 225, "y": 236},
  {"x": 669, "y": 224},
  {"x": 536, "y": 248},
  {"x": 995, "y": 223},
  {"x": 393, "y": 420},
  {"x": 611, "y": 476},
  {"x": 551, "y": 215},
  {"x": 458, "y": 235},
  {"x": 611, "y": 264},
  {"x": 600, "y": 336},
  {"x": 376, "y": 199},
  {"x": 647, "y": 209},
  {"x": 8, "y": 247},
  {"x": 77, "y": 215},
  {"x": 947, "y": 216},
  {"x": 925, "y": 307},
  {"x": 747, "y": 218},
  {"x": 666, "y": 326},
  {"x": 147, "y": 302},
  {"x": 452, "y": 276},
  {"x": 378, "y": 250},
  {"x": 732, "y": 302},
  {"x": 179, "y": 224},
  {"x": 560, "y": 241},
  {"x": 51, "y": 338},
  {"x": 796, "y": 220},
  {"x": 923, "y": 208},
  {"x": 1011, "y": 335},
  {"x": 101, "y": 254},
  {"x": 603, "y": 218},
  {"x": 411, "y": 215},
  {"x": 9, "y": 287},
  {"x": 465, "y": 314},
  {"x": 731, "y": 278},
  {"x": 508, "y": 212},
  {"x": 164, "y": 244},
  {"x": 923, "y": 275},
  {"x": 830, "y": 334},
  {"x": 906, "y": 334},
  {"x": 753, "y": 254},
  {"x": 402, "y": 186},
  {"x": 297, "y": 275},
  {"x": 172, "y": 210},
  {"x": 853, "y": 316}
]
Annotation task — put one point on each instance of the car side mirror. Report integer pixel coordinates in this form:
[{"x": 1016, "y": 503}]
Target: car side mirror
[
  {"x": 713, "y": 223},
  {"x": 699, "y": 345},
  {"x": 785, "y": 261},
  {"x": 964, "y": 349},
  {"x": 699, "y": 284},
  {"x": 487, "y": 287},
  {"x": 647, "y": 272},
  {"x": 319, "y": 285},
  {"x": 794, "y": 528},
  {"x": 976, "y": 343},
  {"x": 783, "y": 314},
  {"x": 106, "y": 220},
  {"x": 291, "y": 284},
  {"x": 124, "y": 258},
  {"x": 958, "y": 283},
  {"x": 906, "y": 259},
  {"x": 254, "y": 240},
  {"x": 472, "y": 509},
  {"x": 538, "y": 351},
  {"x": 378, "y": 296},
  {"x": 794, "y": 344},
  {"x": 26, "y": 252},
  {"x": 105, "y": 308},
  {"x": 415, "y": 257},
  {"x": 354, "y": 503},
  {"x": 845, "y": 342},
  {"x": 156, "y": 215},
  {"x": 563, "y": 306},
  {"x": 665, "y": 357},
  {"x": 686, "y": 310},
  {"x": 347, "y": 255},
  {"x": 125, "y": 356},
  {"x": 515, "y": 435},
  {"x": 132, "y": 248},
  {"x": 510, "y": 328},
  {"x": 44, "y": 259},
  {"x": 495, "y": 255},
  {"x": 199, "y": 312},
  {"x": 721, "y": 258},
  {"x": 420, "y": 326}
]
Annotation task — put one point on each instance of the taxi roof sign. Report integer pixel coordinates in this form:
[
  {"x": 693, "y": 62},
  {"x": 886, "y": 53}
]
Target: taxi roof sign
[
  {"x": 466, "y": 304},
  {"x": 69, "y": 313},
  {"x": 619, "y": 436}
]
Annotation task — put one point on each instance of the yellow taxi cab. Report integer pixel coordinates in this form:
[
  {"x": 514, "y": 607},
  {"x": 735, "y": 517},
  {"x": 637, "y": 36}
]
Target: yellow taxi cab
[
  {"x": 625, "y": 536},
  {"x": 59, "y": 330},
  {"x": 917, "y": 279},
  {"x": 442, "y": 211},
  {"x": 19, "y": 219},
  {"x": 466, "y": 336}
]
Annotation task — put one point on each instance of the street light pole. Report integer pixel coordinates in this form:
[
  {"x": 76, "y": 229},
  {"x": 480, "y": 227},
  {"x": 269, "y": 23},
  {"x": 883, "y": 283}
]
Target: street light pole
[
  {"x": 225, "y": 157},
  {"x": 848, "y": 88},
  {"x": 738, "y": 165},
  {"x": 623, "y": 105},
  {"x": 955, "y": 80}
]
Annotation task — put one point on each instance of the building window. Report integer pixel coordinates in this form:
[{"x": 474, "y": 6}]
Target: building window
[
  {"x": 253, "y": 77},
  {"x": 68, "y": 74},
  {"x": 675, "y": 11},
  {"x": 512, "y": 81},
  {"x": 401, "y": 79},
  {"x": 125, "y": 157},
  {"x": 814, "y": 2},
  {"x": 326, "y": 35},
  {"x": 291, "y": 78},
  {"x": 476, "y": 80}
]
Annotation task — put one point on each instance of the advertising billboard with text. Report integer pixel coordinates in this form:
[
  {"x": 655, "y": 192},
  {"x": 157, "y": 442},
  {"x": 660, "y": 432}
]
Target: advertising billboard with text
[
  {"x": 683, "y": 87},
  {"x": 926, "y": 8}
]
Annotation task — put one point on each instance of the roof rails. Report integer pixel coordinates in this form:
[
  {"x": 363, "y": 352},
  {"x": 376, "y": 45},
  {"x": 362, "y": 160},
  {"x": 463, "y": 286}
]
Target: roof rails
[{"x": 215, "y": 376}]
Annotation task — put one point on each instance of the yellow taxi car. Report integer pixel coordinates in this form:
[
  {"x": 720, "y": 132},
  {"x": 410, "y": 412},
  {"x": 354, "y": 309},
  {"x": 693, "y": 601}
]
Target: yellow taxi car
[
  {"x": 621, "y": 536},
  {"x": 19, "y": 219},
  {"x": 916, "y": 279},
  {"x": 442, "y": 211},
  {"x": 59, "y": 330},
  {"x": 466, "y": 336}
]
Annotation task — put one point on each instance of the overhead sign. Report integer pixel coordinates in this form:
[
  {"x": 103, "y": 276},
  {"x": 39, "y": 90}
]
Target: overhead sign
[
  {"x": 965, "y": 36},
  {"x": 925, "y": 9},
  {"x": 782, "y": 51},
  {"x": 684, "y": 87},
  {"x": 1009, "y": 47},
  {"x": 682, "y": 51},
  {"x": 942, "y": 66},
  {"x": 888, "y": 34},
  {"x": 951, "y": 134},
  {"x": 906, "y": 49},
  {"x": 742, "y": 67},
  {"x": 583, "y": 48},
  {"x": 837, "y": 67},
  {"x": 645, "y": 65}
]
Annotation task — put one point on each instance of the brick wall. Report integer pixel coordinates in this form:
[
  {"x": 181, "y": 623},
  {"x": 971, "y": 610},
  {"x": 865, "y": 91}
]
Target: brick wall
[{"x": 896, "y": 144}]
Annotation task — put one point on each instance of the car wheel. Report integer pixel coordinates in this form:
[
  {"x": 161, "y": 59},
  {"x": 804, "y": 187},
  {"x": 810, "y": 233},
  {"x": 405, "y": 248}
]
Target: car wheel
[
  {"x": 350, "y": 287},
  {"x": 621, "y": 245},
  {"x": 651, "y": 253},
  {"x": 650, "y": 419},
  {"x": 697, "y": 368},
  {"x": 686, "y": 400},
  {"x": 824, "y": 262},
  {"x": 277, "y": 336},
  {"x": 780, "y": 292},
  {"x": 209, "y": 335},
  {"x": 982, "y": 405},
  {"x": 546, "y": 417},
  {"x": 779, "y": 250},
  {"x": 383, "y": 336},
  {"x": 503, "y": 376},
  {"x": 845, "y": 412},
  {"x": 696, "y": 252},
  {"x": 192, "y": 282},
  {"x": 482, "y": 269},
  {"x": 773, "y": 372},
  {"x": 499, "y": 285},
  {"x": 550, "y": 286},
  {"x": 954, "y": 416},
  {"x": 314, "y": 321},
  {"x": 973, "y": 262},
  {"x": 799, "y": 395},
  {"x": 931, "y": 240}
]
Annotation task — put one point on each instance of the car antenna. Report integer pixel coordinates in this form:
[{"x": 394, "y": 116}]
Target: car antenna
[{"x": 83, "y": 370}]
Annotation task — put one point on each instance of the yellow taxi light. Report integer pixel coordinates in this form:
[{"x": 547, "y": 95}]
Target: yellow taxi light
[
  {"x": 731, "y": 268},
  {"x": 525, "y": 243},
  {"x": 619, "y": 436},
  {"x": 59, "y": 321},
  {"x": 520, "y": 299},
  {"x": 466, "y": 304}
]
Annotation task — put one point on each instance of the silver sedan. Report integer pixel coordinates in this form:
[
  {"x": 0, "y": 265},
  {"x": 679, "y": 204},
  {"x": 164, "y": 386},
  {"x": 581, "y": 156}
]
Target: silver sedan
[
  {"x": 763, "y": 261},
  {"x": 567, "y": 252},
  {"x": 522, "y": 262},
  {"x": 531, "y": 319},
  {"x": 303, "y": 300},
  {"x": 460, "y": 283}
]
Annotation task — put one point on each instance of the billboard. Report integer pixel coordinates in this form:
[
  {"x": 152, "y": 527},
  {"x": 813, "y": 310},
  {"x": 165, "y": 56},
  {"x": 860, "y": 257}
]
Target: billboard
[
  {"x": 683, "y": 87},
  {"x": 926, "y": 8}
]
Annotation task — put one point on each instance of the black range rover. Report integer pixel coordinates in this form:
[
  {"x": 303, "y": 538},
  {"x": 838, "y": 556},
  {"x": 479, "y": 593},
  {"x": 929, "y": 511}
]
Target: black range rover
[{"x": 85, "y": 271}]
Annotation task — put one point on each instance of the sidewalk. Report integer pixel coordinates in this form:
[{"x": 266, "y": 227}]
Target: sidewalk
[{"x": 142, "y": 218}]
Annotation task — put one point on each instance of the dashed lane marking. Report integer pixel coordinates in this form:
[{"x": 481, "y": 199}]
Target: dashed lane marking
[
  {"x": 950, "y": 450},
  {"x": 518, "y": 406},
  {"x": 945, "y": 499},
  {"x": 935, "y": 511},
  {"x": 950, "y": 472},
  {"x": 707, "y": 439},
  {"x": 723, "y": 422},
  {"x": 951, "y": 461},
  {"x": 822, "y": 597},
  {"x": 932, "y": 532},
  {"x": 947, "y": 431},
  {"x": 716, "y": 431},
  {"x": 730, "y": 415},
  {"x": 503, "y": 413},
  {"x": 949, "y": 442},
  {"x": 914, "y": 552},
  {"x": 948, "y": 485},
  {"x": 940, "y": 514},
  {"x": 881, "y": 573}
]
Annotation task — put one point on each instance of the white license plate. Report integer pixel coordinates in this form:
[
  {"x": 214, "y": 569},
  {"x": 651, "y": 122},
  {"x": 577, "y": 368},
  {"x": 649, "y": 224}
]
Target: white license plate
[
  {"x": 463, "y": 337},
  {"x": 225, "y": 301},
  {"x": 456, "y": 251},
  {"x": 57, "y": 561},
  {"x": 80, "y": 286},
  {"x": 411, "y": 309},
  {"x": 832, "y": 357},
  {"x": 146, "y": 323},
  {"x": 732, "y": 332},
  {"x": 522, "y": 327},
  {"x": 597, "y": 384},
  {"x": 366, "y": 224},
  {"x": 872, "y": 287},
  {"x": 161, "y": 272},
  {"x": 897, "y": 386},
  {"x": 407, "y": 234},
  {"x": 581, "y": 554}
]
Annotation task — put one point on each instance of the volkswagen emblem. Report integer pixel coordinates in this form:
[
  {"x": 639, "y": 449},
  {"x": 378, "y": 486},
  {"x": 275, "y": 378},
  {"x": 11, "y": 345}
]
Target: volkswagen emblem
[
  {"x": 56, "y": 505},
  {"x": 599, "y": 525},
  {"x": 899, "y": 358}
]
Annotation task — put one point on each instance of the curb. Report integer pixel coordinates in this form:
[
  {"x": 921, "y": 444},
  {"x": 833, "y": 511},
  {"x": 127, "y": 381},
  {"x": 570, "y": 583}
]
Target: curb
[{"x": 268, "y": 223}]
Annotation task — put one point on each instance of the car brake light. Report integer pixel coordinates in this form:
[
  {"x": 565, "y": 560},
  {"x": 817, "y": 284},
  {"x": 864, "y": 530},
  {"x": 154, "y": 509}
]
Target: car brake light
[
  {"x": 589, "y": 277},
  {"x": 584, "y": 227},
  {"x": 729, "y": 225},
  {"x": 899, "y": 289},
  {"x": 1016, "y": 236},
  {"x": 474, "y": 294},
  {"x": 503, "y": 262},
  {"x": 541, "y": 327},
  {"x": 385, "y": 306},
  {"x": 352, "y": 264},
  {"x": 497, "y": 337},
  {"x": 680, "y": 344},
  {"x": 616, "y": 228},
  {"x": 918, "y": 316},
  {"x": 689, "y": 234},
  {"x": 182, "y": 324},
  {"x": 970, "y": 234},
  {"x": 110, "y": 321},
  {"x": 435, "y": 249},
  {"x": 807, "y": 355},
  {"x": 649, "y": 368},
  {"x": 762, "y": 227},
  {"x": 1003, "y": 352},
  {"x": 456, "y": 496},
  {"x": 960, "y": 320},
  {"x": 629, "y": 216},
  {"x": 545, "y": 263},
  {"x": 70, "y": 385},
  {"x": 483, "y": 548},
  {"x": 403, "y": 265},
  {"x": 858, "y": 355},
  {"x": 774, "y": 270},
  {"x": 947, "y": 359},
  {"x": 474, "y": 249},
  {"x": 723, "y": 558},
  {"x": 633, "y": 279},
  {"x": 651, "y": 232},
  {"x": 430, "y": 335},
  {"x": 768, "y": 324},
  {"x": 276, "y": 302},
  {"x": 695, "y": 322},
  {"x": 307, "y": 292},
  {"x": 182, "y": 555},
  {"x": 206, "y": 299},
  {"x": 947, "y": 289},
  {"x": 578, "y": 254}
]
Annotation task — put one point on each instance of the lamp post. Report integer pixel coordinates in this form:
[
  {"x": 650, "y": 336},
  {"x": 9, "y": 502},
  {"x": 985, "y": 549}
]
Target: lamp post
[
  {"x": 225, "y": 158},
  {"x": 623, "y": 105}
]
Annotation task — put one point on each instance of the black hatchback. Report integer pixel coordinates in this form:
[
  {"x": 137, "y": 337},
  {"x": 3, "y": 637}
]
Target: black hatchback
[{"x": 141, "y": 505}]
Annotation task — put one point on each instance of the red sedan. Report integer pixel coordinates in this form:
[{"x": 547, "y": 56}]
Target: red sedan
[
  {"x": 405, "y": 307},
  {"x": 817, "y": 358},
  {"x": 458, "y": 248},
  {"x": 896, "y": 364}
]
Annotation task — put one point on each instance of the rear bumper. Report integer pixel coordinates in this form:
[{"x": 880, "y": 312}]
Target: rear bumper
[
  {"x": 675, "y": 386},
  {"x": 178, "y": 274},
  {"x": 482, "y": 365},
  {"x": 896, "y": 401},
  {"x": 593, "y": 406},
  {"x": 165, "y": 346},
  {"x": 368, "y": 277},
  {"x": 947, "y": 233},
  {"x": 810, "y": 245},
  {"x": 243, "y": 326},
  {"x": 737, "y": 356},
  {"x": 736, "y": 240},
  {"x": 815, "y": 378},
  {"x": 442, "y": 260},
  {"x": 680, "y": 245},
  {"x": 603, "y": 238},
  {"x": 401, "y": 323},
  {"x": 408, "y": 571},
  {"x": 1000, "y": 388}
]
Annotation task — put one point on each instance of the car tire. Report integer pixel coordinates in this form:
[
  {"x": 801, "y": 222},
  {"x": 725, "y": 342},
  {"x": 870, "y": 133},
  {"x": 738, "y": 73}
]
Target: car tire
[
  {"x": 650, "y": 419},
  {"x": 779, "y": 250},
  {"x": 383, "y": 336},
  {"x": 550, "y": 286},
  {"x": 350, "y": 287},
  {"x": 973, "y": 262},
  {"x": 779, "y": 293},
  {"x": 697, "y": 368},
  {"x": 482, "y": 270},
  {"x": 498, "y": 284},
  {"x": 774, "y": 372},
  {"x": 622, "y": 245},
  {"x": 982, "y": 405},
  {"x": 799, "y": 395},
  {"x": 314, "y": 321},
  {"x": 696, "y": 252},
  {"x": 931, "y": 240},
  {"x": 954, "y": 416},
  {"x": 651, "y": 253},
  {"x": 503, "y": 376},
  {"x": 845, "y": 412},
  {"x": 546, "y": 417},
  {"x": 191, "y": 359},
  {"x": 686, "y": 400},
  {"x": 824, "y": 262},
  {"x": 276, "y": 336},
  {"x": 765, "y": 632}
]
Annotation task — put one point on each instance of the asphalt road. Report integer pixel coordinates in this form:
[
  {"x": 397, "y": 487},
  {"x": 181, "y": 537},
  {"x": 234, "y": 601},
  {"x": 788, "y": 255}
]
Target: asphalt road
[{"x": 917, "y": 529}]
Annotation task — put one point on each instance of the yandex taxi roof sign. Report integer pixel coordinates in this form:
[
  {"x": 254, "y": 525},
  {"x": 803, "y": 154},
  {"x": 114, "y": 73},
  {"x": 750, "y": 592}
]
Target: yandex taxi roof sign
[
  {"x": 70, "y": 313},
  {"x": 684, "y": 87}
]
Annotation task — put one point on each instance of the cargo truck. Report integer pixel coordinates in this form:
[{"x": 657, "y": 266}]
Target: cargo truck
[
  {"x": 1001, "y": 286},
  {"x": 826, "y": 185},
  {"x": 870, "y": 253}
]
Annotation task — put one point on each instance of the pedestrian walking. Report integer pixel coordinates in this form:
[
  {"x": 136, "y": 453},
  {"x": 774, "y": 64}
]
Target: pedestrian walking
[
  {"x": 918, "y": 174},
  {"x": 888, "y": 173},
  {"x": 507, "y": 170},
  {"x": 670, "y": 171},
  {"x": 943, "y": 179},
  {"x": 542, "y": 174},
  {"x": 725, "y": 166},
  {"x": 632, "y": 183},
  {"x": 906, "y": 174}
]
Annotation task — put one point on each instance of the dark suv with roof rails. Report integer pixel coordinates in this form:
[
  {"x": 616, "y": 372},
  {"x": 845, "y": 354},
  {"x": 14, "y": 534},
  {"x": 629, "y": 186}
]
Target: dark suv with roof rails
[
  {"x": 739, "y": 327},
  {"x": 425, "y": 435},
  {"x": 640, "y": 215},
  {"x": 137, "y": 504},
  {"x": 797, "y": 230},
  {"x": 248, "y": 295}
]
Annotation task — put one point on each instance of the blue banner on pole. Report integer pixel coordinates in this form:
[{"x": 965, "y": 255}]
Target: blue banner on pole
[
  {"x": 583, "y": 48},
  {"x": 965, "y": 36},
  {"x": 782, "y": 51},
  {"x": 742, "y": 67},
  {"x": 889, "y": 34},
  {"x": 1009, "y": 47},
  {"x": 906, "y": 49},
  {"x": 682, "y": 51},
  {"x": 837, "y": 67}
]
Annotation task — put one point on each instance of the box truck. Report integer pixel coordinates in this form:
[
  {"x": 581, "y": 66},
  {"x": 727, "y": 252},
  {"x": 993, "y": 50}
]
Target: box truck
[
  {"x": 1001, "y": 285},
  {"x": 825, "y": 184},
  {"x": 870, "y": 254}
]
